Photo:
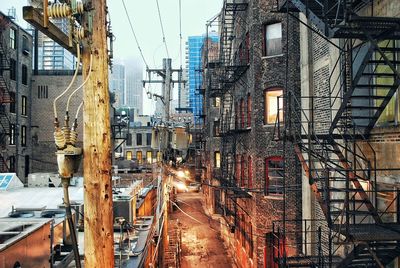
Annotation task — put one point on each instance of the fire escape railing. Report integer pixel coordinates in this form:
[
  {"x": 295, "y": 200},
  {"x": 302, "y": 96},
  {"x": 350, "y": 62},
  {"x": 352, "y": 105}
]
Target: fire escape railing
[
  {"x": 334, "y": 150},
  {"x": 5, "y": 96}
]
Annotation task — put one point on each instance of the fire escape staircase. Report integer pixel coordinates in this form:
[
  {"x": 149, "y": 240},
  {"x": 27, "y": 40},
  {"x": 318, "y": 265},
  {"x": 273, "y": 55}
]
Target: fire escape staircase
[
  {"x": 232, "y": 69},
  {"x": 5, "y": 98},
  {"x": 120, "y": 131},
  {"x": 341, "y": 177},
  {"x": 375, "y": 80}
]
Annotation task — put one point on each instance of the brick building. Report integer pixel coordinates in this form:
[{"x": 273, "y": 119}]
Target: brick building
[
  {"x": 348, "y": 143},
  {"x": 15, "y": 98},
  {"x": 46, "y": 86},
  {"x": 253, "y": 179}
]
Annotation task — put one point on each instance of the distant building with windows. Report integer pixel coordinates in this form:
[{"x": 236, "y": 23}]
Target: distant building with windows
[
  {"x": 52, "y": 56},
  {"x": 134, "y": 86},
  {"x": 15, "y": 96},
  {"x": 117, "y": 84},
  {"x": 194, "y": 47}
]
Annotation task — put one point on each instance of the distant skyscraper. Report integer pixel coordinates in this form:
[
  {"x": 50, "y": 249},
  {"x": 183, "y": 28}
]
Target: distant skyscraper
[
  {"x": 194, "y": 66},
  {"x": 52, "y": 56},
  {"x": 117, "y": 84},
  {"x": 134, "y": 86}
]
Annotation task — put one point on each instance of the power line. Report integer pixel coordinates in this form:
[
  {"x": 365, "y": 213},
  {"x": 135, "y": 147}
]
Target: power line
[
  {"x": 180, "y": 33},
  {"x": 133, "y": 31},
  {"x": 162, "y": 28}
]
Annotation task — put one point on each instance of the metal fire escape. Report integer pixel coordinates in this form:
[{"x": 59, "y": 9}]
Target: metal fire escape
[
  {"x": 120, "y": 130},
  {"x": 224, "y": 74},
  {"x": 5, "y": 96},
  {"x": 335, "y": 154}
]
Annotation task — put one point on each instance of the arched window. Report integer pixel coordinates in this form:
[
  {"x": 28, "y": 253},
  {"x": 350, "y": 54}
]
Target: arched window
[
  {"x": 237, "y": 171},
  {"x": 249, "y": 173},
  {"x": 274, "y": 175},
  {"x": 249, "y": 110},
  {"x": 242, "y": 170},
  {"x": 273, "y": 105},
  {"x": 242, "y": 113}
]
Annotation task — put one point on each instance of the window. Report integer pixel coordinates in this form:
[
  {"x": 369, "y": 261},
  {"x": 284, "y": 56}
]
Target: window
[
  {"x": 249, "y": 111},
  {"x": 158, "y": 156},
  {"x": 23, "y": 135},
  {"x": 242, "y": 171},
  {"x": 139, "y": 157},
  {"x": 149, "y": 157},
  {"x": 217, "y": 159},
  {"x": 12, "y": 103},
  {"x": 24, "y": 74},
  {"x": 273, "y": 39},
  {"x": 249, "y": 173},
  {"x": 242, "y": 113},
  {"x": 43, "y": 92},
  {"x": 148, "y": 138},
  {"x": 237, "y": 171},
  {"x": 139, "y": 139},
  {"x": 13, "y": 69},
  {"x": 217, "y": 128},
  {"x": 11, "y": 163},
  {"x": 217, "y": 102},
  {"x": 236, "y": 115},
  {"x": 128, "y": 155},
  {"x": 271, "y": 105},
  {"x": 391, "y": 114},
  {"x": 129, "y": 139},
  {"x": 25, "y": 48},
  {"x": 13, "y": 38},
  {"x": 247, "y": 46},
  {"x": 273, "y": 175},
  {"x": 24, "y": 103},
  {"x": 12, "y": 134}
]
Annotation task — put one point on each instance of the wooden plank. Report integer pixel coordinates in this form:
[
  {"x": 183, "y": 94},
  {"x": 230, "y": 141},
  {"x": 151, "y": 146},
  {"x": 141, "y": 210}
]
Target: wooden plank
[{"x": 35, "y": 18}]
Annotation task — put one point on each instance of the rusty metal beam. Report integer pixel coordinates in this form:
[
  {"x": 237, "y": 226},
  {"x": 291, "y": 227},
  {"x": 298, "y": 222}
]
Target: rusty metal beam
[{"x": 36, "y": 19}]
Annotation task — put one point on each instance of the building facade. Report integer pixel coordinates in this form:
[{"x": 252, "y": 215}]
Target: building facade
[
  {"x": 52, "y": 56},
  {"x": 16, "y": 100},
  {"x": 46, "y": 86},
  {"x": 117, "y": 84},
  {"x": 133, "y": 96},
  {"x": 252, "y": 176},
  {"x": 194, "y": 47},
  {"x": 350, "y": 78}
]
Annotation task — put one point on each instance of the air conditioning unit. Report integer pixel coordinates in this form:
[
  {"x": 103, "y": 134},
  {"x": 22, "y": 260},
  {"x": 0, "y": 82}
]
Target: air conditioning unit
[{"x": 124, "y": 206}]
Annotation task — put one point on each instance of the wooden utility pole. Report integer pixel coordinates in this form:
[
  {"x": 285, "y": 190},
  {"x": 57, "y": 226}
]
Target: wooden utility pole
[{"x": 99, "y": 237}]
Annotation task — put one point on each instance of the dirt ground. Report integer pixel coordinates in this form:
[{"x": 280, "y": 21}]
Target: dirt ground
[{"x": 201, "y": 242}]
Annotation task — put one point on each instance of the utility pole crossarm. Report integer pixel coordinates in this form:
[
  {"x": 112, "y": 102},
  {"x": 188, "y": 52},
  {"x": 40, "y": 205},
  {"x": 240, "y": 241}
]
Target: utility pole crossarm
[{"x": 35, "y": 18}]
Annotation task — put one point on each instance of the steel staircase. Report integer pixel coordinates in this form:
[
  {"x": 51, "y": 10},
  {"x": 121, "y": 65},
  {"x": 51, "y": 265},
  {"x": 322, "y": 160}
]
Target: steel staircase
[
  {"x": 5, "y": 97},
  {"x": 341, "y": 176},
  {"x": 336, "y": 173},
  {"x": 375, "y": 80}
]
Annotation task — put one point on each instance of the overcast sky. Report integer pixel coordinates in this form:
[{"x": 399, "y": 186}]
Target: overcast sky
[{"x": 144, "y": 17}]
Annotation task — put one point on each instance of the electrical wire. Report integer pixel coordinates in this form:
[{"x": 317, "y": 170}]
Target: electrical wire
[
  {"x": 180, "y": 33},
  {"x": 79, "y": 109},
  {"x": 134, "y": 35},
  {"x": 87, "y": 78},
  {"x": 70, "y": 84},
  {"x": 162, "y": 28}
]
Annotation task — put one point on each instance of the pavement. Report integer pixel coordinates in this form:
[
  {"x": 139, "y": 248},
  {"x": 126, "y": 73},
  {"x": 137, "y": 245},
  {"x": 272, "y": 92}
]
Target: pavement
[{"x": 202, "y": 245}]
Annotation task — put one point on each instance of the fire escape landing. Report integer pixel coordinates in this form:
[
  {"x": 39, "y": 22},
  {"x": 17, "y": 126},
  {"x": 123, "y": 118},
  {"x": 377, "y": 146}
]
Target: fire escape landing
[{"x": 336, "y": 156}]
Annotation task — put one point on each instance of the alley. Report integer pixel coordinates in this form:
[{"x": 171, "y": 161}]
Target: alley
[{"x": 201, "y": 242}]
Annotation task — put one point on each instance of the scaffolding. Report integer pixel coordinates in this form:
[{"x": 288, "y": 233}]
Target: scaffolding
[{"x": 331, "y": 139}]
